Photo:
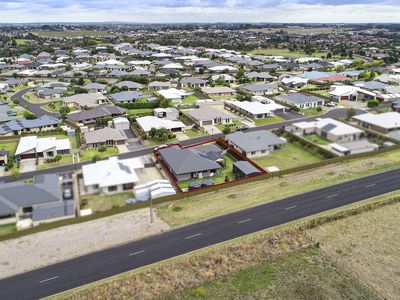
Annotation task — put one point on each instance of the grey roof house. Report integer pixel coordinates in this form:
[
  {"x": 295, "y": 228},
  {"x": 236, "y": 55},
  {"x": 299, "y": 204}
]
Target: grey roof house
[
  {"x": 209, "y": 116},
  {"x": 90, "y": 116},
  {"x": 301, "y": 101},
  {"x": 192, "y": 163},
  {"x": 260, "y": 88},
  {"x": 255, "y": 143},
  {"x": 132, "y": 86},
  {"x": 40, "y": 201},
  {"x": 126, "y": 97},
  {"x": 16, "y": 127},
  {"x": 106, "y": 136}
]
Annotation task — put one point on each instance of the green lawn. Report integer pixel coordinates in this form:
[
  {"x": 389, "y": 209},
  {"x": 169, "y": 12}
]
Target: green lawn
[
  {"x": 289, "y": 156},
  {"x": 307, "y": 274},
  {"x": 7, "y": 228},
  {"x": 33, "y": 98},
  {"x": 52, "y": 107},
  {"x": 223, "y": 172},
  {"x": 309, "y": 112},
  {"x": 269, "y": 120},
  {"x": 308, "y": 86},
  {"x": 322, "y": 92},
  {"x": 194, "y": 134},
  {"x": 233, "y": 125},
  {"x": 23, "y": 42},
  {"x": 9, "y": 146},
  {"x": 65, "y": 160},
  {"x": 101, "y": 203},
  {"x": 189, "y": 99},
  {"x": 317, "y": 139},
  {"x": 139, "y": 112},
  {"x": 88, "y": 154},
  {"x": 286, "y": 53}
]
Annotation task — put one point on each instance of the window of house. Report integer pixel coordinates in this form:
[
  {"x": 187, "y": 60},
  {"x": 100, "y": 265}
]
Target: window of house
[{"x": 112, "y": 188}]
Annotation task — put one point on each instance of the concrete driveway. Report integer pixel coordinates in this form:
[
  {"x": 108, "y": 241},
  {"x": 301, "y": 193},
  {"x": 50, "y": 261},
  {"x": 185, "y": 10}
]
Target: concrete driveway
[{"x": 27, "y": 165}]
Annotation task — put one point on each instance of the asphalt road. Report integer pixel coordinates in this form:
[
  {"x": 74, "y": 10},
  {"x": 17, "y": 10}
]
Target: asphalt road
[
  {"x": 98, "y": 265},
  {"x": 35, "y": 108},
  {"x": 336, "y": 113}
]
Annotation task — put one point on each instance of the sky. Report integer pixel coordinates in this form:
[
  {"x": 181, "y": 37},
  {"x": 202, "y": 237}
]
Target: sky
[{"x": 170, "y": 11}]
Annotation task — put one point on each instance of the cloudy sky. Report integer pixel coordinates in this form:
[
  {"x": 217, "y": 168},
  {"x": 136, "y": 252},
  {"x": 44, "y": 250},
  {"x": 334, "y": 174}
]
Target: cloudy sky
[{"x": 200, "y": 10}]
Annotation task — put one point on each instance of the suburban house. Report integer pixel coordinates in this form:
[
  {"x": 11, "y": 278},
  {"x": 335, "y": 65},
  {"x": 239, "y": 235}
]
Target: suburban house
[
  {"x": 50, "y": 93},
  {"x": 350, "y": 93},
  {"x": 301, "y": 101},
  {"x": 346, "y": 139},
  {"x": 384, "y": 122},
  {"x": 260, "y": 88},
  {"x": 45, "y": 147},
  {"x": 90, "y": 116},
  {"x": 130, "y": 85},
  {"x": 327, "y": 128},
  {"x": 111, "y": 176},
  {"x": 40, "y": 201},
  {"x": 107, "y": 136},
  {"x": 84, "y": 100},
  {"x": 294, "y": 81},
  {"x": 169, "y": 113},
  {"x": 255, "y": 143},
  {"x": 256, "y": 109},
  {"x": 244, "y": 169},
  {"x": 158, "y": 85},
  {"x": 95, "y": 87},
  {"x": 218, "y": 91},
  {"x": 192, "y": 163},
  {"x": 126, "y": 97},
  {"x": 209, "y": 116},
  {"x": 191, "y": 82},
  {"x": 4, "y": 87},
  {"x": 259, "y": 76},
  {"x": 173, "y": 94},
  {"x": 226, "y": 77},
  {"x": 22, "y": 125},
  {"x": 149, "y": 122}
]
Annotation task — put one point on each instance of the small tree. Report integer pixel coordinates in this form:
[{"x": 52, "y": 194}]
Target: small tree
[
  {"x": 15, "y": 173},
  {"x": 351, "y": 112},
  {"x": 226, "y": 130},
  {"x": 373, "y": 103},
  {"x": 57, "y": 158}
]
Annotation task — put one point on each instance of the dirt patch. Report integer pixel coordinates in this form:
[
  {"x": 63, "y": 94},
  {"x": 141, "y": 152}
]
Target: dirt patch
[{"x": 44, "y": 248}]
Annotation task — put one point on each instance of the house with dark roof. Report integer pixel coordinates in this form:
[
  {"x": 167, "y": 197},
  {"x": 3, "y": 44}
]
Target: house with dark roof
[
  {"x": 192, "y": 163},
  {"x": 301, "y": 101},
  {"x": 255, "y": 143},
  {"x": 244, "y": 169},
  {"x": 191, "y": 82},
  {"x": 260, "y": 88},
  {"x": 90, "y": 116},
  {"x": 95, "y": 87},
  {"x": 40, "y": 201},
  {"x": 22, "y": 125},
  {"x": 209, "y": 116},
  {"x": 126, "y": 97},
  {"x": 107, "y": 136},
  {"x": 130, "y": 85},
  {"x": 260, "y": 76}
]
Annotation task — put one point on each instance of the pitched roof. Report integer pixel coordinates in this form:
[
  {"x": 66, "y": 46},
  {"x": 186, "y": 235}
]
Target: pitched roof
[
  {"x": 255, "y": 140},
  {"x": 97, "y": 112},
  {"x": 105, "y": 134}
]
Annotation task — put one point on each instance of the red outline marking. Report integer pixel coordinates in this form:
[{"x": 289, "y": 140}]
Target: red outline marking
[{"x": 175, "y": 182}]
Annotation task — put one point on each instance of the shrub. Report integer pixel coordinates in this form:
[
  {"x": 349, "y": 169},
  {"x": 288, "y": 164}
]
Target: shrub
[
  {"x": 96, "y": 158},
  {"x": 373, "y": 103},
  {"x": 15, "y": 174},
  {"x": 102, "y": 148},
  {"x": 226, "y": 130}
]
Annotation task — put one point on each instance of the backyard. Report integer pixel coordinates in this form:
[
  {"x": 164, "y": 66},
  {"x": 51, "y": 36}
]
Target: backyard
[
  {"x": 9, "y": 146},
  {"x": 225, "y": 171},
  {"x": 290, "y": 156},
  {"x": 101, "y": 203},
  {"x": 317, "y": 139}
]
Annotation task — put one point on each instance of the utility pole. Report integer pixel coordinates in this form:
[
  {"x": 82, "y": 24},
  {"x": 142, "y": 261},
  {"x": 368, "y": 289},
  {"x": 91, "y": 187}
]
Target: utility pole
[{"x": 151, "y": 209}]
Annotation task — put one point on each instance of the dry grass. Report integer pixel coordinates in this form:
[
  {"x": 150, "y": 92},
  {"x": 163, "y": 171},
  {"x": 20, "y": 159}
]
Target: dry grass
[
  {"x": 191, "y": 270},
  {"x": 366, "y": 246},
  {"x": 200, "y": 207}
]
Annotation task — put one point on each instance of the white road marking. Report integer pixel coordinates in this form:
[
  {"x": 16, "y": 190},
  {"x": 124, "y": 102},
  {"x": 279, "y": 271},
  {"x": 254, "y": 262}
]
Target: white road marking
[
  {"x": 331, "y": 196},
  {"x": 192, "y": 236},
  {"x": 290, "y": 207},
  {"x": 136, "y": 253},
  {"x": 243, "y": 221},
  {"x": 370, "y": 185},
  {"x": 48, "y": 279}
]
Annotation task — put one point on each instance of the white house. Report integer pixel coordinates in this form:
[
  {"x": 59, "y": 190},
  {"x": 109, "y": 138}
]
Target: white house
[
  {"x": 256, "y": 109},
  {"x": 173, "y": 94},
  {"x": 47, "y": 147},
  {"x": 111, "y": 176},
  {"x": 4, "y": 87},
  {"x": 149, "y": 122}
]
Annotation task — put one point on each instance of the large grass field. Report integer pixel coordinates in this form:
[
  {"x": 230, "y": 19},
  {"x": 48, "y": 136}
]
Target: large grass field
[
  {"x": 203, "y": 206},
  {"x": 367, "y": 246},
  {"x": 285, "y": 53},
  {"x": 289, "y": 156},
  {"x": 72, "y": 33},
  {"x": 302, "y": 275}
]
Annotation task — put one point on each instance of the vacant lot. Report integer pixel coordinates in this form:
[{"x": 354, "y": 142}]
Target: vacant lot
[
  {"x": 303, "y": 275},
  {"x": 72, "y": 33},
  {"x": 367, "y": 246},
  {"x": 199, "y": 207},
  {"x": 289, "y": 156}
]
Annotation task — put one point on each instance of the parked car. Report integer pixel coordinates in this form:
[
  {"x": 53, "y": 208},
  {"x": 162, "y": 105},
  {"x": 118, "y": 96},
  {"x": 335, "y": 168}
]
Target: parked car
[
  {"x": 194, "y": 185},
  {"x": 207, "y": 182},
  {"x": 67, "y": 194},
  {"x": 11, "y": 113}
]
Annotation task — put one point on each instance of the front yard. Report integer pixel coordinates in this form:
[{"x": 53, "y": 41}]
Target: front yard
[
  {"x": 191, "y": 133},
  {"x": 315, "y": 111},
  {"x": 289, "y": 156},
  {"x": 88, "y": 154},
  {"x": 269, "y": 121},
  {"x": 9, "y": 146}
]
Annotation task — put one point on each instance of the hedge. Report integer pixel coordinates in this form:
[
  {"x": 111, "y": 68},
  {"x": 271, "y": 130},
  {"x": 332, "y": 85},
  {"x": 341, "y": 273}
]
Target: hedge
[{"x": 137, "y": 105}]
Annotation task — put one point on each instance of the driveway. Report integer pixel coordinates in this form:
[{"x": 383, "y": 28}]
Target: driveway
[
  {"x": 211, "y": 129},
  {"x": 27, "y": 165}
]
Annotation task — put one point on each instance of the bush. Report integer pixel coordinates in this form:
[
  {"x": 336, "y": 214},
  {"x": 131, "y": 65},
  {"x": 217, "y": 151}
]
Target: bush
[
  {"x": 29, "y": 116},
  {"x": 373, "y": 103},
  {"x": 96, "y": 158},
  {"x": 226, "y": 130},
  {"x": 15, "y": 174},
  {"x": 102, "y": 148},
  {"x": 137, "y": 105}
]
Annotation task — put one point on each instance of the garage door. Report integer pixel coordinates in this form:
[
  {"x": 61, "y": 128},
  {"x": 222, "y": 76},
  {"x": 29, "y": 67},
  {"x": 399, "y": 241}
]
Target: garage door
[
  {"x": 205, "y": 123},
  {"x": 26, "y": 156}
]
